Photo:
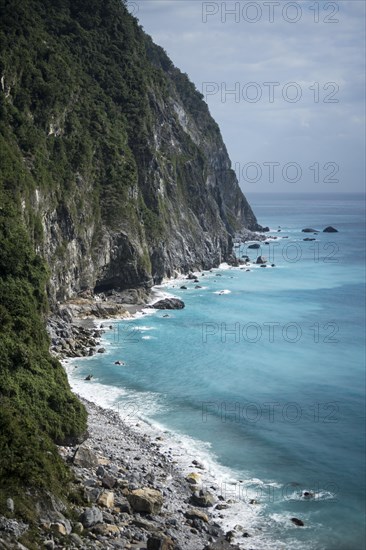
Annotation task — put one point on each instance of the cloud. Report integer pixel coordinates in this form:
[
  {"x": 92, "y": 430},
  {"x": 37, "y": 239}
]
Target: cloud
[{"x": 322, "y": 53}]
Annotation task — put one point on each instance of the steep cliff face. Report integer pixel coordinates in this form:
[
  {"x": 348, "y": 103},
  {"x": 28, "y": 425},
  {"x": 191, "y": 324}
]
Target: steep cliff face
[{"x": 122, "y": 173}]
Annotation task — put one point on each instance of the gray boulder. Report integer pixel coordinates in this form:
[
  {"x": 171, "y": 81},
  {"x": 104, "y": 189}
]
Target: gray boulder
[
  {"x": 261, "y": 260},
  {"x": 90, "y": 517},
  {"x": 146, "y": 500},
  {"x": 85, "y": 458},
  {"x": 203, "y": 499},
  {"x": 168, "y": 303}
]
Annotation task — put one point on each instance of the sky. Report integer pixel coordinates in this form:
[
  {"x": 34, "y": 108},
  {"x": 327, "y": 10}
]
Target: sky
[{"x": 284, "y": 80}]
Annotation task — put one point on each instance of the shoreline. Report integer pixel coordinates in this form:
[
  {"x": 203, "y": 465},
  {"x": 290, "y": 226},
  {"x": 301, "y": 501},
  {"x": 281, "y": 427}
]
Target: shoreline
[
  {"x": 137, "y": 461},
  {"x": 236, "y": 519}
]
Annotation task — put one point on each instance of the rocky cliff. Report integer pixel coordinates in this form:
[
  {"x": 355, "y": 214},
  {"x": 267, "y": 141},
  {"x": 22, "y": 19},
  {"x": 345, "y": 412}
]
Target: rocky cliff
[
  {"x": 112, "y": 175},
  {"x": 122, "y": 174}
]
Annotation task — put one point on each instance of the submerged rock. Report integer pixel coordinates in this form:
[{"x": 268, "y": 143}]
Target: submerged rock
[
  {"x": 330, "y": 229},
  {"x": 309, "y": 230},
  {"x": 254, "y": 246},
  {"x": 297, "y": 522}
]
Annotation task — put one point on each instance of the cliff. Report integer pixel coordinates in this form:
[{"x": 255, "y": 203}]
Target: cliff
[
  {"x": 112, "y": 175},
  {"x": 122, "y": 172}
]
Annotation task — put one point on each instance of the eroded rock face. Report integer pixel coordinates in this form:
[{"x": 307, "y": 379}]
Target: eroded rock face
[{"x": 175, "y": 204}]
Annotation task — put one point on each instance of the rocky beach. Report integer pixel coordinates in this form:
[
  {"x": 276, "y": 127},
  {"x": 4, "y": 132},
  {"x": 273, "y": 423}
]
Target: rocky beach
[{"x": 128, "y": 494}]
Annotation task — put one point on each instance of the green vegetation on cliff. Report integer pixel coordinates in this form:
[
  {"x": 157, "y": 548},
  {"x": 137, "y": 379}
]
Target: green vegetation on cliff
[
  {"x": 37, "y": 407},
  {"x": 112, "y": 174},
  {"x": 111, "y": 139}
]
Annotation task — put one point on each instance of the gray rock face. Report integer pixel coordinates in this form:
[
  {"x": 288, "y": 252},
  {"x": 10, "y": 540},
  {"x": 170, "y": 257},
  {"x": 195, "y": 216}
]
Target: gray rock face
[
  {"x": 178, "y": 206},
  {"x": 12, "y": 527}
]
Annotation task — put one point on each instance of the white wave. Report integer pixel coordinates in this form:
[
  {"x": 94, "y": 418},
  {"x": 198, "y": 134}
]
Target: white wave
[
  {"x": 222, "y": 292},
  {"x": 311, "y": 496}
]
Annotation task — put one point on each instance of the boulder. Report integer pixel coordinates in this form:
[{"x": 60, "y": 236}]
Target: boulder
[
  {"x": 10, "y": 505},
  {"x": 221, "y": 506},
  {"x": 146, "y": 500},
  {"x": 203, "y": 499},
  {"x": 261, "y": 260},
  {"x": 233, "y": 261},
  {"x": 160, "y": 543},
  {"x": 330, "y": 229},
  {"x": 85, "y": 458},
  {"x": 106, "y": 529},
  {"x": 108, "y": 481},
  {"x": 106, "y": 499},
  {"x": 193, "y": 478},
  {"x": 78, "y": 528},
  {"x": 90, "y": 517},
  {"x": 309, "y": 230},
  {"x": 221, "y": 544},
  {"x": 59, "y": 529},
  {"x": 309, "y": 239},
  {"x": 193, "y": 513},
  {"x": 297, "y": 522},
  {"x": 254, "y": 246},
  {"x": 168, "y": 303}
]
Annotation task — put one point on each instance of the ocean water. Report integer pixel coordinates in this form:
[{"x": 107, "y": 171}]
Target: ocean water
[{"x": 261, "y": 376}]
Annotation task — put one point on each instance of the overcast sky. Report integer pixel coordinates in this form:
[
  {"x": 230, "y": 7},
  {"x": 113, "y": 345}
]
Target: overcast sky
[{"x": 284, "y": 80}]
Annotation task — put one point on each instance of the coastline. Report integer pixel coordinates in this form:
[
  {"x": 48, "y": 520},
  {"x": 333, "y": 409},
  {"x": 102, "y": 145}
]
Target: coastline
[
  {"x": 236, "y": 519},
  {"x": 136, "y": 461}
]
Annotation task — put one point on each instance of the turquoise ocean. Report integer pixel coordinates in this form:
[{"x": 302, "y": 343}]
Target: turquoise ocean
[{"x": 261, "y": 377}]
